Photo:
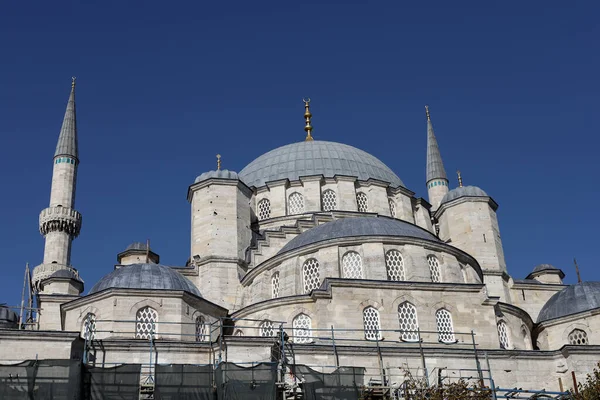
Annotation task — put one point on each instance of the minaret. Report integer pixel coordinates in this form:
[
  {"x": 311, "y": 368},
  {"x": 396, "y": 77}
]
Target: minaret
[
  {"x": 60, "y": 223},
  {"x": 437, "y": 182}
]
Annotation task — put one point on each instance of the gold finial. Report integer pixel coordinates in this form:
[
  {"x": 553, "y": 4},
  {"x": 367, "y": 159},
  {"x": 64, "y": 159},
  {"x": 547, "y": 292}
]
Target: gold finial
[
  {"x": 307, "y": 116},
  {"x": 427, "y": 113},
  {"x": 459, "y": 178},
  {"x": 218, "y": 162},
  {"x": 73, "y": 79}
]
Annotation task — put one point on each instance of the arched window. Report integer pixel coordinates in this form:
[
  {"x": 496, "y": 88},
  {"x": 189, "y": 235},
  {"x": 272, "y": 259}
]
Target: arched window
[
  {"x": 372, "y": 323},
  {"x": 264, "y": 209},
  {"x": 503, "y": 335},
  {"x": 310, "y": 275},
  {"x": 201, "y": 329},
  {"x": 302, "y": 326},
  {"x": 295, "y": 203},
  {"x": 352, "y": 265},
  {"x": 434, "y": 269},
  {"x": 577, "y": 336},
  {"x": 275, "y": 285},
  {"x": 394, "y": 265},
  {"x": 266, "y": 328},
  {"x": 392, "y": 205},
  {"x": 409, "y": 325},
  {"x": 443, "y": 319},
  {"x": 329, "y": 200},
  {"x": 145, "y": 323},
  {"x": 362, "y": 201},
  {"x": 88, "y": 330}
]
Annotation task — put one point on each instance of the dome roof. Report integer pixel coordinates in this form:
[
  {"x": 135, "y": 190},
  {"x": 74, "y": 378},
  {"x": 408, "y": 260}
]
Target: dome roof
[
  {"x": 220, "y": 174},
  {"x": 316, "y": 158},
  {"x": 464, "y": 191},
  {"x": 145, "y": 276},
  {"x": 359, "y": 226},
  {"x": 137, "y": 246},
  {"x": 545, "y": 267},
  {"x": 571, "y": 300}
]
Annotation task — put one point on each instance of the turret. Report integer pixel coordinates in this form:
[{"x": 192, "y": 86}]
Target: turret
[
  {"x": 221, "y": 234},
  {"x": 60, "y": 223},
  {"x": 467, "y": 220},
  {"x": 437, "y": 182}
]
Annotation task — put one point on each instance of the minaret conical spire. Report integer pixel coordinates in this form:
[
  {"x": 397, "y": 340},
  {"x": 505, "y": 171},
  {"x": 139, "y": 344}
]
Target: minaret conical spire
[
  {"x": 435, "y": 166},
  {"x": 436, "y": 180},
  {"x": 67, "y": 140}
]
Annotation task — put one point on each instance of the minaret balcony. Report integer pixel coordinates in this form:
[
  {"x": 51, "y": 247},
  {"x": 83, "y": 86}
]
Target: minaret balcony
[{"x": 62, "y": 219}]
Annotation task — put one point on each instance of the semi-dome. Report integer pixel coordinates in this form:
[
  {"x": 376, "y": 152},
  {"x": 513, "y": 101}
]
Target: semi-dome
[
  {"x": 359, "y": 226},
  {"x": 464, "y": 191},
  {"x": 316, "y": 158},
  {"x": 219, "y": 174},
  {"x": 145, "y": 276},
  {"x": 573, "y": 299}
]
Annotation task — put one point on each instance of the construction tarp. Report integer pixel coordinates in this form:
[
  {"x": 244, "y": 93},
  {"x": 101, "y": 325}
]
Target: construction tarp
[
  {"x": 183, "y": 382},
  {"x": 341, "y": 384},
  {"x": 251, "y": 383},
  {"x": 117, "y": 383},
  {"x": 41, "y": 380}
]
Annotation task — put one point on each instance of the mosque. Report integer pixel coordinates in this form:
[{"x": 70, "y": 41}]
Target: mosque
[{"x": 321, "y": 244}]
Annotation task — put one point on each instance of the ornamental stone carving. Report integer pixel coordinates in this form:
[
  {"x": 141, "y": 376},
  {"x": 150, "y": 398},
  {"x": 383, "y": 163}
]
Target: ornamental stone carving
[
  {"x": 62, "y": 219},
  {"x": 44, "y": 271}
]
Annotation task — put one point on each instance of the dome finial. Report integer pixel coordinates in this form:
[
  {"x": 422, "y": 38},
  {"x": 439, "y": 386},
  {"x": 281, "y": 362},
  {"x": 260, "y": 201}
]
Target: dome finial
[
  {"x": 459, "y": 178},
  {"x": 73, "y": 79},
  {"x": 577, "y": 270},
  {"x": 427, "y": 113},
  {"x": 307, "y": 116},
  {"x": 218, "y": 162}
]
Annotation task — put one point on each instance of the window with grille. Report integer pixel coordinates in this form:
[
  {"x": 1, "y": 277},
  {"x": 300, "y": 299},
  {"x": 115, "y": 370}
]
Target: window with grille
[
  {"x": 275, "y": 285},
  {"x": 372, "y": 323},
  {"x": 264, "y": 209},
  {"x": 443, "y": 319},
  {"x": 329, "y": 200},
  {"x": 145, "y": 323},
  {"x": 392, "y": 208},
  {"x": 362, "y": 201},
  {"x": 266, "y": 328},
  {"x": 201, "y": 329},
  {"x": 352, "y": 265},
  {"x": 394, "y": 265},
  {"x": 577, "y": 336},
  {"x": 503, "y": 335},
  {"x": 302, "y": 325},
  {"x": 409, "y": 325},
  {"x": 295, "y": 203},
  {"x": 88, "y": 331},
  {"x": 310, "y": 275},
  {"x": 434, "y": 269}
]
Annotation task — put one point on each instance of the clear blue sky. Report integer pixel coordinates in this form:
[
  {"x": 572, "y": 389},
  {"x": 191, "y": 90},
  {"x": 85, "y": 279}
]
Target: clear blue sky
[{"x": 163, "y": 86}]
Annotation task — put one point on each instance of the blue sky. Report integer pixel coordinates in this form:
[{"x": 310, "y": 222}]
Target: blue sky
[{"x": 163, "y": 86}]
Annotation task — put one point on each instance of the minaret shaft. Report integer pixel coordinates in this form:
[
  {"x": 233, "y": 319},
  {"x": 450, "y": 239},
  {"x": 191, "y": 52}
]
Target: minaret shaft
[{"x": 60, "y": 223}]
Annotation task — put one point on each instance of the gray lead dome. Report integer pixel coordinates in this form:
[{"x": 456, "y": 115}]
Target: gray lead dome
[
  {"x": 574, "y": 299},
  {"x": 359, "y": 226},
  {"x": 464, "y": 191},
  {"x": 316, "y": 158},
  {"x": 145, "y": 276}
]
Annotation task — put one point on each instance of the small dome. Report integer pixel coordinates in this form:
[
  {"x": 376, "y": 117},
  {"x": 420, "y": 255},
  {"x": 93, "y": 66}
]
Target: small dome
[
  {"x": 464, "y": 191},
  {"x": 573, "y": 299},
  {"x": 145, "y": 276},
  {"x": 8, "y": 318},
  {"x": 316, "y": 158},
  {"x": 220, "y": 174},
  {"x": 545, "y": 267},
  {"x": 360, "y": 226},
  {"x": 137, "y": 246}
]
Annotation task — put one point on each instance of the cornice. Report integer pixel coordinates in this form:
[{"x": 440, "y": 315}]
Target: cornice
[
  {"x": 219, "y": 181},
  {"x": 464, "y": 199}
]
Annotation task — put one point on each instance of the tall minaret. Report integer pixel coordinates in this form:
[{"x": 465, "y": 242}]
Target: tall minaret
[
  {"x": 437, "y": 182},
  {"x": 60, "y": 223}
]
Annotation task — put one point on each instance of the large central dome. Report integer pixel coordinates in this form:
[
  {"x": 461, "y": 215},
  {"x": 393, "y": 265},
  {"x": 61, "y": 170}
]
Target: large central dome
[{"x": 316, "y": 158}]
